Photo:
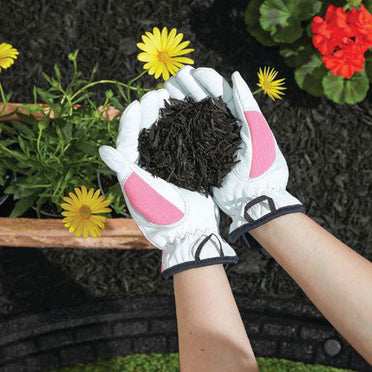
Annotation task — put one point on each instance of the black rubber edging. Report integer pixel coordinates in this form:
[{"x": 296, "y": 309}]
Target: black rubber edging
[{"x": 106, "y": 329}]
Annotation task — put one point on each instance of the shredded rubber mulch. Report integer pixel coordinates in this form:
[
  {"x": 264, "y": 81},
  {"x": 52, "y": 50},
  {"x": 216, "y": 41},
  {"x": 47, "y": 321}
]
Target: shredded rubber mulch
[
  {"x": 192, "y": 145},
  {"x": 327, "y": 146}
]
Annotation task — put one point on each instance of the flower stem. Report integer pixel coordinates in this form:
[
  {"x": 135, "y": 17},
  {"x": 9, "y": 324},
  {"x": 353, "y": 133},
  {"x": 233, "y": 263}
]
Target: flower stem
[
  {"x": 257, "y": 91},
  {"x": 132, "y": 81},
  {"x": 105, "y": 82}
]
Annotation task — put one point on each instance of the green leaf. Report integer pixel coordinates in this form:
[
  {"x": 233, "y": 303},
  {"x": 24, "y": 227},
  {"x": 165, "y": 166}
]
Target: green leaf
[
  {"x": 28, "y": 119},
  {"x": 23, "y": 128},
  {"x": 282, "y": 18},
  {"x": 43, "y": 123},
  {"x": 368, "y": 5},
  {"x": 22, "y": 205},
  {"x": 356, "y": 89},
  {"x": 57, "y": 72},
  {"x": 67, "y": 131},
  {"x": 310, "y": 76},
  {"x": 288, "y": 34},
  {"x": 251, "y": 18},
  {"x": 341, "y": 90},
  {"x": 333, "y": 87},
  {"x": 109, "y": 93},
  {"x": 352, "y": 4},
  {"x": 73, "y": 56},
  {"x": 296, "y": 54},
  {"x": 87, "y": 148}
]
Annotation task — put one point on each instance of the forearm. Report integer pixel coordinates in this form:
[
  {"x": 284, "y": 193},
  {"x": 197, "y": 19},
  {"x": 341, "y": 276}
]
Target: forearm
[
  {"x": 334, "y": 277},
  {"x": 211, "y": 333}
]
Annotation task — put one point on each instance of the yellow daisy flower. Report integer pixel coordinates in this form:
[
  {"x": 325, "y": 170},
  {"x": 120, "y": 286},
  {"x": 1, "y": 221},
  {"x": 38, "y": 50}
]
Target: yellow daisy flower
[
  {"x": 80, "y": 209},
  {"x": 162, "y": 52},
  {"x": 273, "y": 88},
  {"x": 7, "y": 55}
]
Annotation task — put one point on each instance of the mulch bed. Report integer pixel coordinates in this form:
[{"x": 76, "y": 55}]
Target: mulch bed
[{"x": 327, "y": 146}]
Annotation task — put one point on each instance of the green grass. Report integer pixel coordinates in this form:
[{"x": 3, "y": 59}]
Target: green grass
[{"x": 169, "y": 363}]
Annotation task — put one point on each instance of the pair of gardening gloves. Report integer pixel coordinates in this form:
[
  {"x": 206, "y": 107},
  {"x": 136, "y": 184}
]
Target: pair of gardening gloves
[{"x": 182, "y": 223}]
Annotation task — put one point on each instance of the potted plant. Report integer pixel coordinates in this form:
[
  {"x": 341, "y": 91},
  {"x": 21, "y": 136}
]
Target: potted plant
[{"x": 51, "y": 146}]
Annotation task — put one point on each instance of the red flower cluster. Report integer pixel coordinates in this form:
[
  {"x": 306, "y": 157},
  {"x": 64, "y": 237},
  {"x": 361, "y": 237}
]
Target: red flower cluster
[{"x": 343, "y": 37}]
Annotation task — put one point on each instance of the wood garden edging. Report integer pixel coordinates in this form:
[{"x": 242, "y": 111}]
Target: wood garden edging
[{"x": 119, "y": 233}]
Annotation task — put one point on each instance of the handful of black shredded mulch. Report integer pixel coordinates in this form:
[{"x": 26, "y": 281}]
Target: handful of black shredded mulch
[{"x": 192, "y": 145}]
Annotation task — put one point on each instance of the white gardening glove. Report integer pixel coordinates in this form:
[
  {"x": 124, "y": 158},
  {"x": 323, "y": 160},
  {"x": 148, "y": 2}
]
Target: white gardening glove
[
  {"x": 183, "y": 224},
  {"x": 254, "y": 192}
]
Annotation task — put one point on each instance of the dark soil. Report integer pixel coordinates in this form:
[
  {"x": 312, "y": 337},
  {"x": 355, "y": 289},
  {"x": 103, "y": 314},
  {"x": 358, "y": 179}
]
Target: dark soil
[
  {"x": 192, "y": 145},
  {"x": 327, "y": 146}
]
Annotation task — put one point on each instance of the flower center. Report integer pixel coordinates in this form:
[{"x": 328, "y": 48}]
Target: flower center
[
  {"x": 266, "y": 84},
  {"x": 85, "y": 212},
  {"x": 163, "y": 57}
]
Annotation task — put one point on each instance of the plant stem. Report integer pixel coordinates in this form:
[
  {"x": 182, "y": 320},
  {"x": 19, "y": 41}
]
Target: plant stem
[
  {"x": 132, "y": 81},
  {"x": 38, "y": 140},
  {"x": 257, "y": 91},
  {"x": 104, "y": 82}
]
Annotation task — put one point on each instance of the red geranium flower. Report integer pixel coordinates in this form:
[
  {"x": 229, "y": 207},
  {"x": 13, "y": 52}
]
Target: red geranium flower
[
  {"x": 346, "y": 61},
  {"x": 343, "y": 37},
  {"x": 362, "y": 21}
]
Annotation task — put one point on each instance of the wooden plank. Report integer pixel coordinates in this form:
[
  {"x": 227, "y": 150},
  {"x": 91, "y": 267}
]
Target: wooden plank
[{"x": 119, "y": 233}]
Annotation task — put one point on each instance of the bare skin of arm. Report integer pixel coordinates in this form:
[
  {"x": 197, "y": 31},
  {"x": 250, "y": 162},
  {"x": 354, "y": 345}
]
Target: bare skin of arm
[
  {"x": 335, "y": 278},
  {"x": 211, "y": 333}
]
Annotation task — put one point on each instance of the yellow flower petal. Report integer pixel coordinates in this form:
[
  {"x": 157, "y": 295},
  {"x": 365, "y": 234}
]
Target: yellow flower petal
[
  {"x": 162, "y": 51},
  {"x": 8, "y": 54},
  {"x": 181, "y": 52},
  {"x": 164, "y": 38},
  {"x": 145, "y": 57},
  {"x": 185, "y": 60},
  {"x": 68, "y": 207},
  {"x": 266, "y": 81},
  {"x": 79, "y": 212}
]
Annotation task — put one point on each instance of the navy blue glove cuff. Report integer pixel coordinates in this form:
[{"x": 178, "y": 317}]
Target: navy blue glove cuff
[
  {"x": 199, "y": 263},
  {"x": 298, "y": 208}
]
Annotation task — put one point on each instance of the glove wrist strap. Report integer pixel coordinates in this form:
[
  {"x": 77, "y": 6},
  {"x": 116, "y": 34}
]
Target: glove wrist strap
[
  {"x": 262, "y": 209},
  {"x": 208, "y": 249}
]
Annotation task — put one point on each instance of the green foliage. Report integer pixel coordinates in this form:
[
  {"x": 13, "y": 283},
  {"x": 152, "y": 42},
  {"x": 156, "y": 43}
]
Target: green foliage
[
  {"x": 341, "y": 90},
  {"x": 52, "y": 156},
  {"x": 282, "y": 18},
  {"x": 251, "y": 16},
  {"x": 368, "y": 4},
  {"x": 170, "y": 363},
  {"x": 309, "y": 76},
  {"x": 296, "y": 54}
]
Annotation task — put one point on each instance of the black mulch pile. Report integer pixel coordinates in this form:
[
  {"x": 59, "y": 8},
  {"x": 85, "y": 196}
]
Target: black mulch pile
[
  {"x": 192, "y": 145},
  {"x": 327, "y": 146}
]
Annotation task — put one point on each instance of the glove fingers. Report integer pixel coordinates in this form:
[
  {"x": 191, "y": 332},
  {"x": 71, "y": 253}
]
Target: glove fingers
[
  {"x": 242, "y": 93},
  {"x": 149, "y": 109},
  {"x": 174, "y": 89},
  {"x": 244, "y": 101},
  {"x": 189, "y": 84},
  {"x": 255, "y": 131},
  {"x": 163, "y": 96},
  {"x": 115, "y": 161},
  {"x": 215, "y": 85},
  {"x": 127, "y": 141}
]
